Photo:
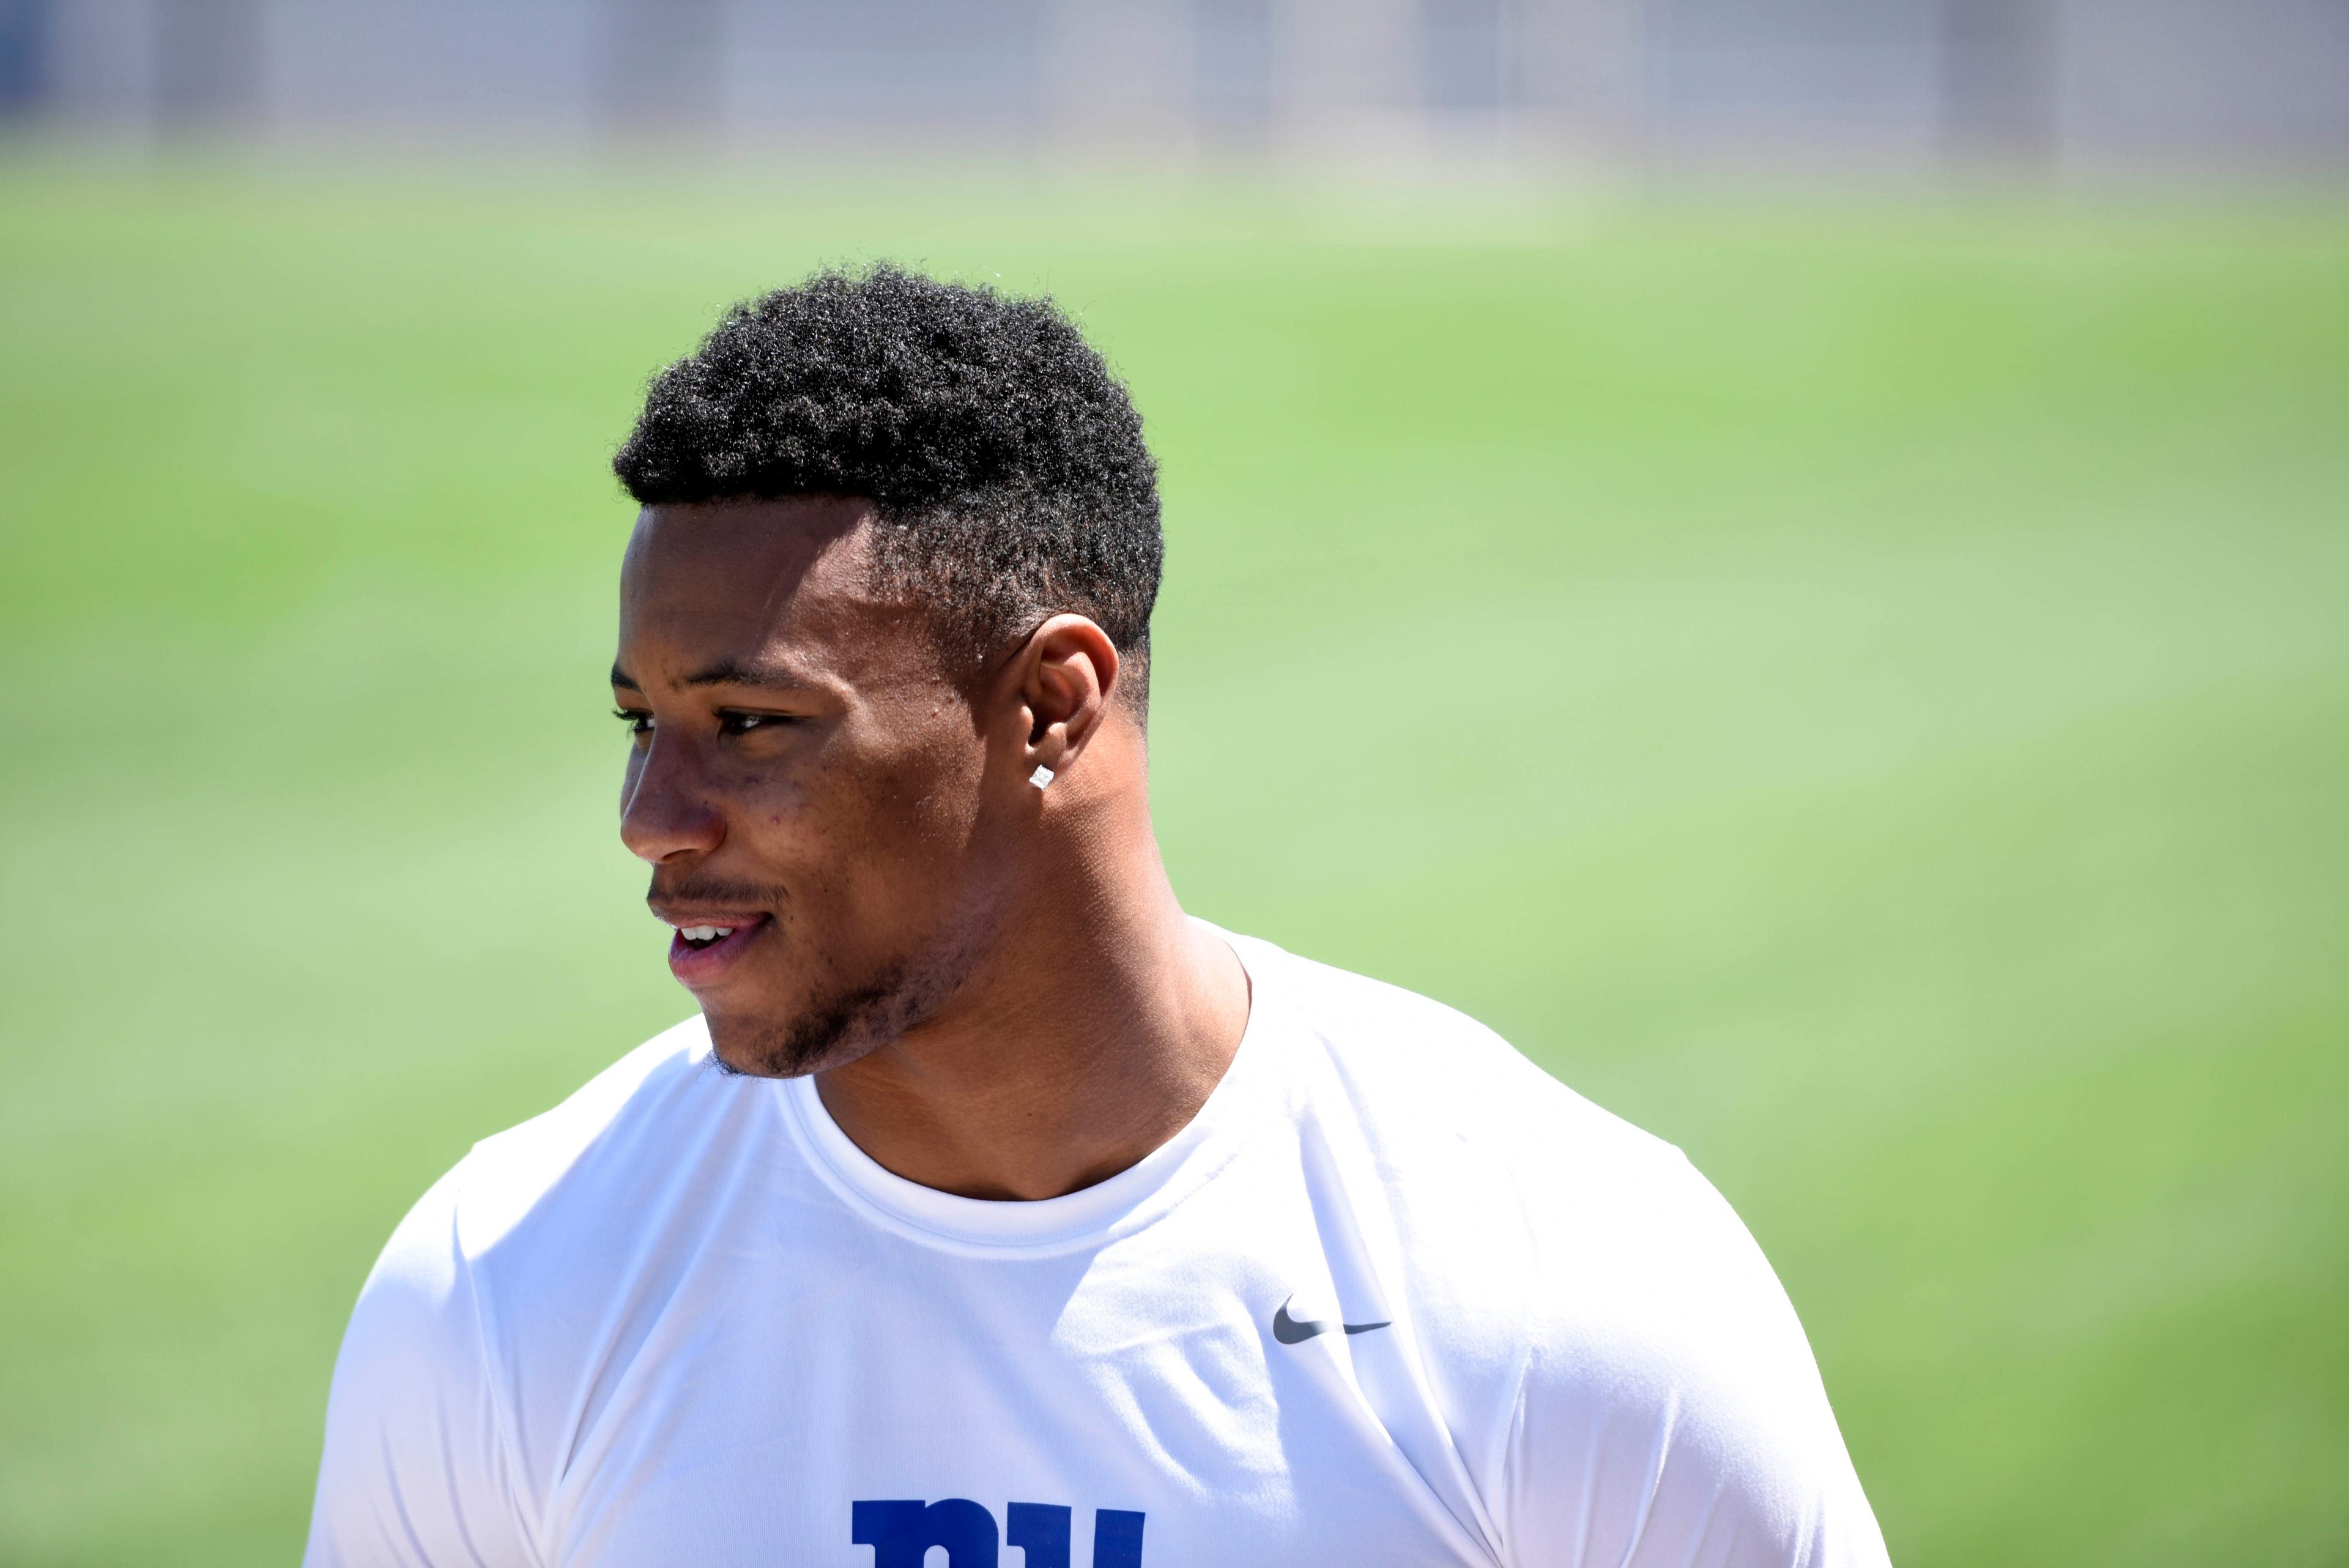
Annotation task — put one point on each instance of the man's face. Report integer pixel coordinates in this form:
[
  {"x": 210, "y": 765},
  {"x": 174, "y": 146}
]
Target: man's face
[{"x": 804, "y": 777}]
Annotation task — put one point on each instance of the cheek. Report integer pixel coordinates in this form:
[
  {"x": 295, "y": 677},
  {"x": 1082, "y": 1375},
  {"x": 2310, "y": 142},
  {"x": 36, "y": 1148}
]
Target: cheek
[
  {"x": 917, "y": 804},
  {"x": 919, "y": 807},
  {"x": 874, "y": 816}
]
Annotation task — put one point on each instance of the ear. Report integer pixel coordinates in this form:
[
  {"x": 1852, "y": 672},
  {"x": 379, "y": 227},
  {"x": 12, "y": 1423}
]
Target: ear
[{"x": 1067, "y": 670}]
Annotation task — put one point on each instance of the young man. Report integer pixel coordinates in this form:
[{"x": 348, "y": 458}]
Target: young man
[{"x": 991, "y": 1202}]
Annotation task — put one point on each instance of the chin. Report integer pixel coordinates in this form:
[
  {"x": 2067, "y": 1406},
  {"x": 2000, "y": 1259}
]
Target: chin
[
  {"x": 753, "y": 1047},
  {"x": 836, "y": 1024},
  {"x": 829, "y": 1032}
]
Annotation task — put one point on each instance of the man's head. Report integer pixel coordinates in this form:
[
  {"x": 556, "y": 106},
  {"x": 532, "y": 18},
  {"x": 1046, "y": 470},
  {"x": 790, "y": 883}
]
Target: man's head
[{"x": 899, "y": 545}]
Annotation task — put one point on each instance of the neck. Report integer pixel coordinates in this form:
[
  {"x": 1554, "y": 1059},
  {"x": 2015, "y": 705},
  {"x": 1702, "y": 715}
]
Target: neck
[{"x": 1090, "y": 1034}]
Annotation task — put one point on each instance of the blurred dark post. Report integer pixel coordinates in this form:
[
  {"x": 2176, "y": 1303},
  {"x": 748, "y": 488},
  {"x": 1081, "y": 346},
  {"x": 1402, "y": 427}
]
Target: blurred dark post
[
  {"x": 24, "y": 58},
  {"x": 1998, "y": 83},
  {"x": 208, "y": 64},
  {"x": 662, "y": 67}
]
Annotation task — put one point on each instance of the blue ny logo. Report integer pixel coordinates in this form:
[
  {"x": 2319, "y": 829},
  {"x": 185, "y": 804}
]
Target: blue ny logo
[{"x": 901, "y": 1533}]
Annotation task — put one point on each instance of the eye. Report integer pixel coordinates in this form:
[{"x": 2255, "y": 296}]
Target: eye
[
  {"x": 733, "y": 722},
  {"x": 638, "y": 722}
]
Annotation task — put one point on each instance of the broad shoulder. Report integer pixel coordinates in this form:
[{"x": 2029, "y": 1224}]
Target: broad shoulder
[
  {"x": 612, "y": 1152},
  {"x": 1597, "y": 1302},
  {"x": 1414, "y": 1067},
  {"x": 654, "y": 1095},
  {"x": 1524, "y": 1209},
  {"x": 1615, "y": 1222},
  {"x": 425, "y": 1405}
]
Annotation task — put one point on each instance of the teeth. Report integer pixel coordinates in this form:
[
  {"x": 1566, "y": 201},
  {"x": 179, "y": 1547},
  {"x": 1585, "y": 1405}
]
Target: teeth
[{"x": 703, "y": 933}]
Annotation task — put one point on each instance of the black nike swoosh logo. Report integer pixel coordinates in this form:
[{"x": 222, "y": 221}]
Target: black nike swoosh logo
[{"x": 1297, "y": 1330}]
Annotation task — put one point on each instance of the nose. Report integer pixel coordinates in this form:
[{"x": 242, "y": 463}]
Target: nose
[{"x": 665, "y": 812}]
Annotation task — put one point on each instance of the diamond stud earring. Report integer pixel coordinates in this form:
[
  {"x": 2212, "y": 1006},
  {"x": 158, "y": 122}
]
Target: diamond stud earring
[{"x": 1041, "y": 776}]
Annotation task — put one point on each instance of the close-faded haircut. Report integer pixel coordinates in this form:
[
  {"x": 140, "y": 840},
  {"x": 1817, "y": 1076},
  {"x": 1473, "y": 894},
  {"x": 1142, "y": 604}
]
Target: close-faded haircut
[{"x": 1004, "y": 460}]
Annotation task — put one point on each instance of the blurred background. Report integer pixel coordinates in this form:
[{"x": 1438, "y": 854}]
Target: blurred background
[
  {"x": 1788, "y": 555},
  {"x": 1538, "y": 86}
]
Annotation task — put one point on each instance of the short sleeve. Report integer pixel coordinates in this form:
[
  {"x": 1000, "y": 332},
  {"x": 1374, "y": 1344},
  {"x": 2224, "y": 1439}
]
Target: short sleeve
[
  {"x": 1682, "y": 1424},
  {"x": 417, "y": 1470}
]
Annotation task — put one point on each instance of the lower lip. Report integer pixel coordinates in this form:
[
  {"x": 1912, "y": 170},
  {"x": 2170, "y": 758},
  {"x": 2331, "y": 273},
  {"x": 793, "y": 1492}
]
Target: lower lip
[{"x": 700, "y": 965}]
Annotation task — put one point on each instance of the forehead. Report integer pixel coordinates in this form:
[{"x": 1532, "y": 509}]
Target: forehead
[{"x": 735, "y": 581}]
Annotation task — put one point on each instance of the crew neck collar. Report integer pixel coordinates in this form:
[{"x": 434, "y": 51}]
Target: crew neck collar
[{"x": 1118, "y": 1206}]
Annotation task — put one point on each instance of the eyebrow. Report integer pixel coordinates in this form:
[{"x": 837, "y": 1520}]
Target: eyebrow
[{"x": 726, "y": 672}]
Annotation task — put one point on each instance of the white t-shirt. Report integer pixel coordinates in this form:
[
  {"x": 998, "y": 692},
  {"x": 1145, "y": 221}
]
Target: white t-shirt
[{"x": 1394, "y": 1298}]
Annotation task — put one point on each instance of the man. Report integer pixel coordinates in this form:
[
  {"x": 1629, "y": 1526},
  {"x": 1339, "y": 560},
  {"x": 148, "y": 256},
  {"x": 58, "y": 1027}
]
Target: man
[{"x": 991, "y": 1201}]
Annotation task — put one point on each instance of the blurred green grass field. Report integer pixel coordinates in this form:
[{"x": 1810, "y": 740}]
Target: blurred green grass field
[{"x": 1861, "y": 688}]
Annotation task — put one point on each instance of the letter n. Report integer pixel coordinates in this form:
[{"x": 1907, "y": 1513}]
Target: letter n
[{"x": 901, "y": 1533}]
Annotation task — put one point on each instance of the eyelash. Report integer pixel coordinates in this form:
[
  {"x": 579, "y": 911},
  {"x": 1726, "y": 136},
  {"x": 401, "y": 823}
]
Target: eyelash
[{"x": 733, "y": 723}]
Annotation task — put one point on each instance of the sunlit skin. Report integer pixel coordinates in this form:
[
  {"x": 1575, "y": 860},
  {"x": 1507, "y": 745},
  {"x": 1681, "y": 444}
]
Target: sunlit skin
[{"x": 994, "y": 984}]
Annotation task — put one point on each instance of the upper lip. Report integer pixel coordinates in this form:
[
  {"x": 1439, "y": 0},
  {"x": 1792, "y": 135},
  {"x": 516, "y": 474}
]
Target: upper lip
[{"x": 682, "y": 915}]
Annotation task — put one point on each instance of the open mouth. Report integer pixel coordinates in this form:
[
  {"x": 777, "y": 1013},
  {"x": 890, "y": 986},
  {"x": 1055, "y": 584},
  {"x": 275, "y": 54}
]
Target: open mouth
[{"x": 698, "y": 949}]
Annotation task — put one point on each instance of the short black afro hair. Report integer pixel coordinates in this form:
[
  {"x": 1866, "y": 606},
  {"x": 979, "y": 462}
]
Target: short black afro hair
[{"x": 1004, "y": 460}]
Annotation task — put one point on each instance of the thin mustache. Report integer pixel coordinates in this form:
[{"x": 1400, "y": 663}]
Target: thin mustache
[{"x": 725, "y": 895}]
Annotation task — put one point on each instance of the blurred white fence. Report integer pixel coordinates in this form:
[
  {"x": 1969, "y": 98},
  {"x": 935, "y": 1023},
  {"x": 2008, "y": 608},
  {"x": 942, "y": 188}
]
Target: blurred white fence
[{"x": 1511, "y": 84}]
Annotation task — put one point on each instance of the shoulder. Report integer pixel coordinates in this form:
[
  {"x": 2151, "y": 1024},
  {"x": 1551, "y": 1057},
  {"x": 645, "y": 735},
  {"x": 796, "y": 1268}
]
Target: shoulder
[
  {"x": 1415, "y": 1066},
  {"x": 423, "y": 1284},
  {"x": 1666, "y": 1371},
  {"x": 430, "y": 1447},
  {"x": 1630, "y": 1374},
  {"x": 510, "y": 1214},
  {"x": 651, "y": 1096}
]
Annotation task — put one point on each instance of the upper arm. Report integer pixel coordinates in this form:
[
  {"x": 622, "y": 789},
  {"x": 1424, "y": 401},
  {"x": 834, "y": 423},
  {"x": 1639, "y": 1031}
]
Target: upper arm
[
  {"x": 417, "y": 1470},
  {"x": 1673, "y": 1417}
]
